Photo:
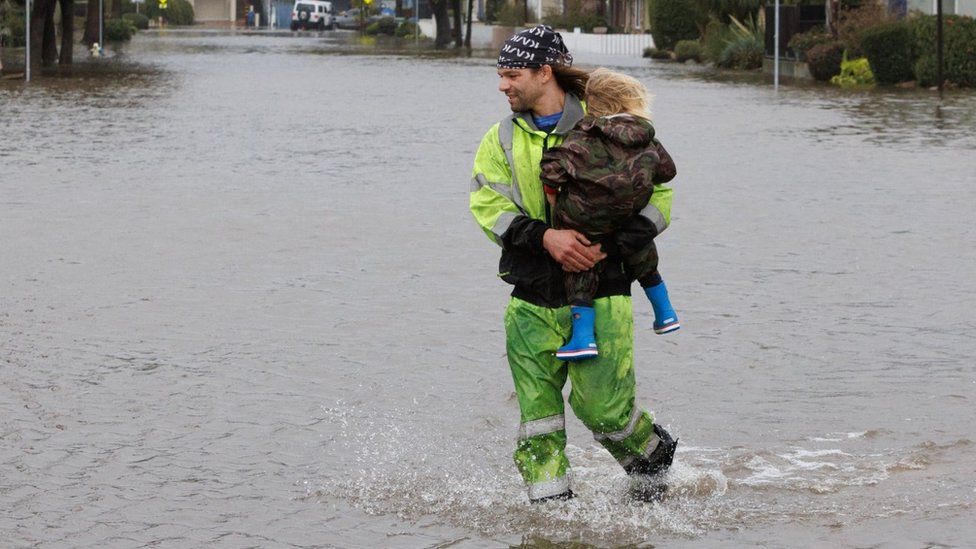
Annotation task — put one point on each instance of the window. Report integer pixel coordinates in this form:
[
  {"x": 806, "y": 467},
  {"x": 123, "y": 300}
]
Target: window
[{"x": 949, "y": 7}]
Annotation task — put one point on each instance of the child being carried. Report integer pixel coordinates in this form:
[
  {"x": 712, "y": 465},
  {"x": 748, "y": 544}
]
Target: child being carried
[{"x": 601, "y": 176}]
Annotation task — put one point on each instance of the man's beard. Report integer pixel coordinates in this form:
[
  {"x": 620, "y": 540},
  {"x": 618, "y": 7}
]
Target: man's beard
[{"x": 518, "y": 105}]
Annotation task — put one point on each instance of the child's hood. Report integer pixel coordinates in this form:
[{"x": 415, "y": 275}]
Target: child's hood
[{"x": 625, "y": 129}]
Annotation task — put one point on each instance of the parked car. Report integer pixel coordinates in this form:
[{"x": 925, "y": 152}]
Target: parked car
[
  {"x": 312, "y": 14},
  {"x": 349, "y": 19}
]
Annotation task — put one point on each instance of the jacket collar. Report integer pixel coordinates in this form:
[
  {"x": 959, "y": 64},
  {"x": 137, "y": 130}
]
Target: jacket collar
[{"x": 573, "y": 112}]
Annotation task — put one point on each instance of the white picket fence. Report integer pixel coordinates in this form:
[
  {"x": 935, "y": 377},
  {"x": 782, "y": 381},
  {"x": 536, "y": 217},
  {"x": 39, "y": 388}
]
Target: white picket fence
[{"x": 630, "y": 45}]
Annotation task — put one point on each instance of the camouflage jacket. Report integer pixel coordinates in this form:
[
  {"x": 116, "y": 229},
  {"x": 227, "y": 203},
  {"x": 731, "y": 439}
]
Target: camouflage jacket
[{"x": 604, "y": 172}]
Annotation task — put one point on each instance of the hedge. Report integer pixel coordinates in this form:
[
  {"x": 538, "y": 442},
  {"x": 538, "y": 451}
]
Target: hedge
[
  {"x": 574, "y": 16},
  {"x": 686, "y": 50},
  {"x": 407, "y": 28},
  {"x": 11, "y": 25},
  {"x": 137, "y": 20},
  {"x": 672, "y": 21},
  {"x": 803, "y": 42},
  {"x": 716, "y": 39},
  {"x": 824, "y": 60},
  {"x": 888, "y": 47},
  {"x": 960, "y": 50},
  {"x": 386, "y": 25},
  {"x": 118, "y": 30}
]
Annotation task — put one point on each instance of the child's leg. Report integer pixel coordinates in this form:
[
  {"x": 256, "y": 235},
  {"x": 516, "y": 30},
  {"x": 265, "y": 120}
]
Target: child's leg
[
  {"x": 580, "y": 290},
  {"x": 642, "y": 265}
]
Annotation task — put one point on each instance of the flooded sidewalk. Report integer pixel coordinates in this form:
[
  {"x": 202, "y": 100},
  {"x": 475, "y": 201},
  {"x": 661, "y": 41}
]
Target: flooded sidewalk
[{"x": 244, "y": 304}]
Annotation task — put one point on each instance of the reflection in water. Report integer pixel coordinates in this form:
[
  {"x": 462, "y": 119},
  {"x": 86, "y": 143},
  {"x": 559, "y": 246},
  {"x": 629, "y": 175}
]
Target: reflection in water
[{"x": 243, "y": 303}]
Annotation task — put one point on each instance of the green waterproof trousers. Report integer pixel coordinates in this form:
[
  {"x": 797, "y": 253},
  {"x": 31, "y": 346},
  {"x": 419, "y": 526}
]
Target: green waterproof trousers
[{"x": 602, "y": 393}]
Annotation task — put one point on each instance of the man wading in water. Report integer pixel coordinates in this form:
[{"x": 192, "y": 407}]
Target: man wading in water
[{"x": 507, "y": 201}]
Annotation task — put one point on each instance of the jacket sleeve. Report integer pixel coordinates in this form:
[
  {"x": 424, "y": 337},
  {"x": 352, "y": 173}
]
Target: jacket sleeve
[
  {"x": 554, "y": 170},
  {"x": 657, "y": 213},
  {"x": 666, "y": 170},
  {"x": 493, "y": 200}
]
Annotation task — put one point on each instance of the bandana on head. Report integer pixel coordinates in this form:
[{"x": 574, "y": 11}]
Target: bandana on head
[{"x": 533, "y": 48}]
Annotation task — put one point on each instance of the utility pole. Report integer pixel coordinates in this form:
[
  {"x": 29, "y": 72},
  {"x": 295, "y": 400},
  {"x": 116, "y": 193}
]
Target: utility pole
[
  {"x": 939, "y": 40},
  {"x": 27, "y": 25},
  {"x": 776, "y": 50}
]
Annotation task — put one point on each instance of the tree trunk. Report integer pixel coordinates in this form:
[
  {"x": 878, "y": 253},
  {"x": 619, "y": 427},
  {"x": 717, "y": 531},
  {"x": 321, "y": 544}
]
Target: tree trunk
[
  {"x": 456, "y": 31},
  {"x": 38, "y": 9},
  {"x": 117, "y": 9},
  {"x": 467, "y": 35},
  {"x": 443, "y": 34},
  {"x": 91, "y": 24},
  {"x": 49, "y": 48},
  {"x": 67, "y": 32}
]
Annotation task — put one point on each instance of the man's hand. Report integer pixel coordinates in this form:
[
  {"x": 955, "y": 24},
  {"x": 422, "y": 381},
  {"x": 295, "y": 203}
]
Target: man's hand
[{"x": 571, "y": 249}]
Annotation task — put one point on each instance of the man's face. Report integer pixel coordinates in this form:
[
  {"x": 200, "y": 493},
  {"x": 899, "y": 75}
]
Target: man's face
[{"x": 523, "y": 87}]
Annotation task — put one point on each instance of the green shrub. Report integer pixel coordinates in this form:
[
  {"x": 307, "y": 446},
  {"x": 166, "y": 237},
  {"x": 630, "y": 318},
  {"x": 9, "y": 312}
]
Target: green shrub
[
  {"x": 655, "y": 53},
  {"x": 386, "y": 25},
  {"x": 672, "y": 21},
  {"x": 574, "y": 15},
  {"x": 11, "y": 25},
  {"x": 960, "y": 50},
  {"x": 407, "y": 28},
  {"x": 803, "y": 42},
  {"x": 855, "y": 73},
  {"x": 824, "y": 60},
  {"x": 744, "y": 53},
  {"x": 179, "y": 12},
  {"x": 127, "y": 7},
  {"x": 137, "y": 20},
  {"x": 746, "y": 49},
  {"x": 717, "y": 37},
  {"x": 118, "y": 30},
  {"x": 888, "y": 47},
  {"x": 853, "y": 21},
  {"x": 927, "y": 71},
  {"x": 491, "y": 10},
  {"x": 688, "y": 49}
]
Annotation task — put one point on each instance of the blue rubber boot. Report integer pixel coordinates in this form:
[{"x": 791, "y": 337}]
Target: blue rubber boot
[
  {"x": 665, "y": 319},
  {"x": 583, "y": 343}
]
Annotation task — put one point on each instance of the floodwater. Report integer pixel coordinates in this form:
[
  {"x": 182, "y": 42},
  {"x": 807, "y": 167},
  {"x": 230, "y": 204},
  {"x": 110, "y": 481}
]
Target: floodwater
[{"x": 243, "y": 304}]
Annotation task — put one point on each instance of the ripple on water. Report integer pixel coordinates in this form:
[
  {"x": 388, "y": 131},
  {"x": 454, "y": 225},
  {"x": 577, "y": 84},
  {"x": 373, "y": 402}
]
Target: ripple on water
[{"x": 401, "y": 471}]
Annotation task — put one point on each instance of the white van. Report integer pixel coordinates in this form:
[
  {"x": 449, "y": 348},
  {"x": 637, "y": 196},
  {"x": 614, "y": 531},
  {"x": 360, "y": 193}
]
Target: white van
[{"x": 312, "y": 14}]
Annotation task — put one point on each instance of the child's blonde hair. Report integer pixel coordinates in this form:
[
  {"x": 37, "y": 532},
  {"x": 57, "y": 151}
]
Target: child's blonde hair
[{"x": 609, "y": 93}]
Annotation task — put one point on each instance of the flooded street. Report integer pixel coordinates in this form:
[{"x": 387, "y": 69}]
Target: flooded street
[{"x": 243, "y": 304}]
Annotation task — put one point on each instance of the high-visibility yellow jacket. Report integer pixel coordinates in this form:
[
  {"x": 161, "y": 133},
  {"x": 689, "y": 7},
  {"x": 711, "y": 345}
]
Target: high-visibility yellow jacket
[{"x": 510, "y": 206}]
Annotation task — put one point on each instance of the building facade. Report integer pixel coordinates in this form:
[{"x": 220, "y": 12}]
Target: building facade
[{"x": 949, "y": 7}]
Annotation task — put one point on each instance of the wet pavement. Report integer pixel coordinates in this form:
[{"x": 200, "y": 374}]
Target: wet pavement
[{"x": 243, "y": 304}]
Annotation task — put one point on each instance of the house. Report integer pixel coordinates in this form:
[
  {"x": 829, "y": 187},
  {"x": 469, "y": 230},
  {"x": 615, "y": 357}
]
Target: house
[
  {"x": 628, "y": 16},
  {"x": 215, "y": 10},
  {"x": 949, "y": 7}
]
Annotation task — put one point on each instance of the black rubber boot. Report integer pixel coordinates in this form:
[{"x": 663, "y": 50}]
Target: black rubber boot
[
  {"x": 567, "y": 495},
  {"x": 648, "y": 473}
]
